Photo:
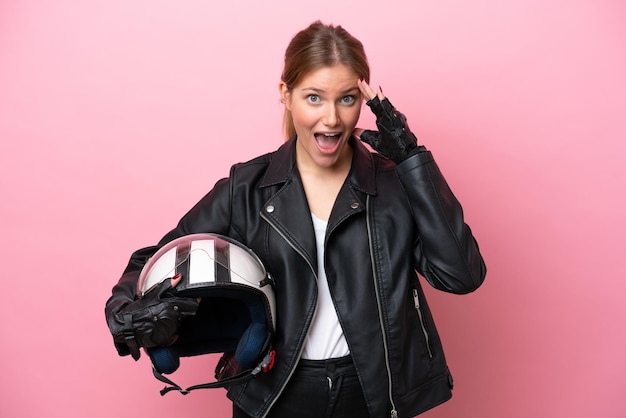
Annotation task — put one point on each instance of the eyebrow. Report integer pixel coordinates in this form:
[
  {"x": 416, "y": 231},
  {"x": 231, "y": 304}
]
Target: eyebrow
[{"x": 316, "y": 90}]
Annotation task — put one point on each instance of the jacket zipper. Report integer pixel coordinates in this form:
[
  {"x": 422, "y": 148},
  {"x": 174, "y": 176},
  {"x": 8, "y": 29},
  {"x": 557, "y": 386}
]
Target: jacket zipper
[
  {"x": 292, "y": 371},
  {"x": 421, "y": 318},
  {"x": 394, "y": 412}
]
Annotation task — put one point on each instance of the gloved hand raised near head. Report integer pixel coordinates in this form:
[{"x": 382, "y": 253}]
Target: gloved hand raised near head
[
  {"x": 153, "y": 320},
  {"x": 393, "y": 139}
]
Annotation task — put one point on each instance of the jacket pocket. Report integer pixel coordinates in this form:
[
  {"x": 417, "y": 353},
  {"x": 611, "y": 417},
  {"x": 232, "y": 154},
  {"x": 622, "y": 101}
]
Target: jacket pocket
[{"x": 420, "y": 316}]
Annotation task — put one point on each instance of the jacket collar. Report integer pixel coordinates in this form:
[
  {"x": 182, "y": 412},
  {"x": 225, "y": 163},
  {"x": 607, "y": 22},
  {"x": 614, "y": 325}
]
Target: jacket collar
[{"x": 362, "y": 174}]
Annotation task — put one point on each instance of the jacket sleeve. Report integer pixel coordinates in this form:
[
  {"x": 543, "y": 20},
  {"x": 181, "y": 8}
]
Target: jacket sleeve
[
  {"x": 210, "y": 214},
  {"x": 446, "y": 253}
]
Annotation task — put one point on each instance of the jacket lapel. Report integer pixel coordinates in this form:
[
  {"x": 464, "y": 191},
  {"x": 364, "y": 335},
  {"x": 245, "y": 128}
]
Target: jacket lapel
[
  {"x": 361, "y": 181},
  {"x": 287, "y": 209}
]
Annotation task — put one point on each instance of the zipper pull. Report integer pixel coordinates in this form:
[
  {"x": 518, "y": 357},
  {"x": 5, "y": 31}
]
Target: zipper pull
[
  {"x": 416, "y": 299},
  {"x": 394, "y": 413}
]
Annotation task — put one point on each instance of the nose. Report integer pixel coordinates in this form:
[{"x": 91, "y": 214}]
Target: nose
[{"x": 331, "y": 117}]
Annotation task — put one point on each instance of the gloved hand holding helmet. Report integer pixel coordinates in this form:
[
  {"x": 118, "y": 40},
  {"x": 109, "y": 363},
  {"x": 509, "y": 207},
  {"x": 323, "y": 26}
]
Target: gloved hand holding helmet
[
  {"x": 153, "y": 320},
  {"x": 224, "y": 303}
]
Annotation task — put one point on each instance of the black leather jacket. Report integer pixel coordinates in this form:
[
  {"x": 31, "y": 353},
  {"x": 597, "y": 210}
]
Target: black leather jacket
[{"x": 387, "y": 223}]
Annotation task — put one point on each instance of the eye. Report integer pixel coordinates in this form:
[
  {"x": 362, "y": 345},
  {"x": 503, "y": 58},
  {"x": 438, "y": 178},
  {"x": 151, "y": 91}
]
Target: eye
[
  {"x": 313, "y": 98},
  {"x": 348, "y": 100}
]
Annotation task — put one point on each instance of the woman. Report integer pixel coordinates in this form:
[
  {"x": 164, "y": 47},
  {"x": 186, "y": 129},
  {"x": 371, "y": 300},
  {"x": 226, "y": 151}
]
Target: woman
[{"x": 342, "y": 231}]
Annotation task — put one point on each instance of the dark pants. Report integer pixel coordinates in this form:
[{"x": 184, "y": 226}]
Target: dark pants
[{"x": 320, "y": 389}]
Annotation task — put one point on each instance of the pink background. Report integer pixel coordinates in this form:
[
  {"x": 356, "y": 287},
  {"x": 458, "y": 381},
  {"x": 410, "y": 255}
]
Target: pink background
[{"x": 116, "y": 116}]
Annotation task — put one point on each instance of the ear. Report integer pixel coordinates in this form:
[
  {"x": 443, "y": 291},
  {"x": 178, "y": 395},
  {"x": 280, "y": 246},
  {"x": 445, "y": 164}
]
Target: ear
[{"x": 285, "y": 95}]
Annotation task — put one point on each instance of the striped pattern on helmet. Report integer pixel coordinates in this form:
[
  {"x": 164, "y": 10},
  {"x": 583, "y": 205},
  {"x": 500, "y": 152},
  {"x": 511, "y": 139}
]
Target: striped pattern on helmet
[{"x": 206, "y": 261}]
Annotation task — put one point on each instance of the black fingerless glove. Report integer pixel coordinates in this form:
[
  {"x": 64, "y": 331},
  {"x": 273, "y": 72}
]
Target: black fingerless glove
[
  {"x": 394, "y": 139},
  {"x": 153, "y": 320}
]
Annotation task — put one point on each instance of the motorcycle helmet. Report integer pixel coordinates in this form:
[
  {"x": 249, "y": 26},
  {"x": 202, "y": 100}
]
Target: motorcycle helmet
[{"x": 237, "y": 311}]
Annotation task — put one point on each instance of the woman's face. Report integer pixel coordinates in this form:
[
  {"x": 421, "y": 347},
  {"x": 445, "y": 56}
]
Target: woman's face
[{"x": 325, "y": 107}]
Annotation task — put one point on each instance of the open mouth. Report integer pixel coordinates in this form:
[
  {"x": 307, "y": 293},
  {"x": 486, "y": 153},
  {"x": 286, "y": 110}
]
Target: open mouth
[{"x": 327, "y": 141}]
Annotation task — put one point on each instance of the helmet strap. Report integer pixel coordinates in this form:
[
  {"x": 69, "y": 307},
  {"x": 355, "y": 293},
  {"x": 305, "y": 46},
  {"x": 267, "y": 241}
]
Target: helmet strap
[{"x": 264, "y": 366}]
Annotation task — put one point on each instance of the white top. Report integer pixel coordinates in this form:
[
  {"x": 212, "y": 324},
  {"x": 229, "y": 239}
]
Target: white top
[{"x": 325, "y": 339}]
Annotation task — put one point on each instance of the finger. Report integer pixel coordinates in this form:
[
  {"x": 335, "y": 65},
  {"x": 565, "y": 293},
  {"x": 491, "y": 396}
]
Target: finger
[
  {"x": 371, "y": 138},
  {"x": 370, "y": 93},
  {"x": 380, "y": 94},
  {"x": 176, "y": 279},
  {"x": 357, "y": 132},
  {"x": 366, "y": 90}
]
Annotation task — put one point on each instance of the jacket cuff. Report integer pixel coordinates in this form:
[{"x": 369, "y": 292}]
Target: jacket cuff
[{"x": 423, "y": 156}]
